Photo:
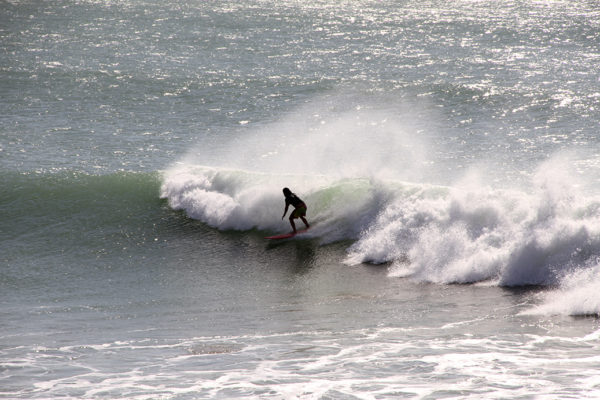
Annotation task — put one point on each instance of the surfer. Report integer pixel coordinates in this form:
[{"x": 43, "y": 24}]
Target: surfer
[{"x": 299, "y": 208}]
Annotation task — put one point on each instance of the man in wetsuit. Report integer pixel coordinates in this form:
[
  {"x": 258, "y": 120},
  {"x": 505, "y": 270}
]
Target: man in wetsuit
[{"x": 299, "y": 208}]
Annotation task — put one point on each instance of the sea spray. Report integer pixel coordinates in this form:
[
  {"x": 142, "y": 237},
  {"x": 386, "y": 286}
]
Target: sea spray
[
  {"x": 371, "y": 177},
  {"x": 334, "y": 136}
]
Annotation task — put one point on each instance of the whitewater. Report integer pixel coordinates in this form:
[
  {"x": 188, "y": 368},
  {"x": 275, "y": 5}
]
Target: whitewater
[
  {"x": 447, "y": 152},
  {"x": 542, "y": 229}
]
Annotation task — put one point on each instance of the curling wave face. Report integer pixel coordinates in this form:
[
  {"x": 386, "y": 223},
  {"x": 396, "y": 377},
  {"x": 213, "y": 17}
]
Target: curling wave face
[{"x": 545, "y": 235}]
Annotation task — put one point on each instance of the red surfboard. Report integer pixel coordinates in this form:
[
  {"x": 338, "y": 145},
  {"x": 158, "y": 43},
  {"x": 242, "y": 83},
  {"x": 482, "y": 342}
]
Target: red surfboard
[{"x": 286, "y": 235}]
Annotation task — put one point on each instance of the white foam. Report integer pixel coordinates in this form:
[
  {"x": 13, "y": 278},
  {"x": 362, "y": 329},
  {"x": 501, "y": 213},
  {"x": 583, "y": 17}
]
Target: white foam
[
  {"x": 228, "y": 199},
  {"x": 366, "y": 363},
  {"x": 362, "y": 174},
  {"x": 577, "y": 294},
  {"x": 466, "y": 233},
  {"x": 243, "y": 200},
  {"x": 477, "y": 233}
]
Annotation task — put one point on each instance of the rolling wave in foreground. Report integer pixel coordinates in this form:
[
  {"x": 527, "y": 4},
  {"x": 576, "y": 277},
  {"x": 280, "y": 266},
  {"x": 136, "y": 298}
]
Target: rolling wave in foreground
[{"x": 543, "y": 230}]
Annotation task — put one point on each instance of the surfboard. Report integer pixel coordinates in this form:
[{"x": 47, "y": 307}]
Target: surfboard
[{"x": 286, "y": 235}]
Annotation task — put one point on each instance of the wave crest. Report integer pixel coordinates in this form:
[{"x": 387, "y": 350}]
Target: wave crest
[{"x": 463, "y": 234}]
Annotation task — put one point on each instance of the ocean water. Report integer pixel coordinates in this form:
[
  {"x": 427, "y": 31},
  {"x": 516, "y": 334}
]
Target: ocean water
[{"x": 448, "y": 152}]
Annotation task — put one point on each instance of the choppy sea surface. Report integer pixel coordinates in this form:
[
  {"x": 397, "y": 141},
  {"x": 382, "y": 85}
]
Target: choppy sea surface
[{"x": 448, "y": 152}]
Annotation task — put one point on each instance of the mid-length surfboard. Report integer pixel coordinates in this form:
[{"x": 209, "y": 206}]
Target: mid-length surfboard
[{"x": 286, "y": 235}]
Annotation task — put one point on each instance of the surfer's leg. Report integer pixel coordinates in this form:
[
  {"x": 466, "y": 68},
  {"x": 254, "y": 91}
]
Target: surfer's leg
[
  {"x": 300, "y": 212},
  {"x": 305, "y": 222},
  {"x": 295, "y": 214}
]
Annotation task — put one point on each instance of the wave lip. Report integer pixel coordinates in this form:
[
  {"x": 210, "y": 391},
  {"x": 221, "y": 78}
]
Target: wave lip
[{"x": 233, "y": 199}]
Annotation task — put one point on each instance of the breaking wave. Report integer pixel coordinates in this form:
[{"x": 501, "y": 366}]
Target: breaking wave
[{"x": 547, "y": 235}]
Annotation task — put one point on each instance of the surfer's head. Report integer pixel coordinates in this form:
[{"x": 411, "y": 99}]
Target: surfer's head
[{"x": 287, "y": 192}]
